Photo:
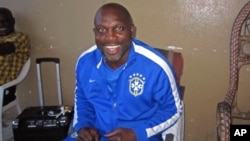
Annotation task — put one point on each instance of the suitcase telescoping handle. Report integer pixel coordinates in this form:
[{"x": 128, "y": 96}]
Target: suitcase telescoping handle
[
  {"x": 40, "y": 86},
  {"x": 47, "y": 59}
]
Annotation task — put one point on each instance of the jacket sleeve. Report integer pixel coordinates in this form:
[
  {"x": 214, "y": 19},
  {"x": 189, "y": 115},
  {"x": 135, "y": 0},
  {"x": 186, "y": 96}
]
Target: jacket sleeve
[
  {"x": 83, "y": 111},
  {"x": 166, "y": 94}
]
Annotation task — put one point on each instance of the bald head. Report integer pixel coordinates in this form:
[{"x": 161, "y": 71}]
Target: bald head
[
  {"x": 6, "y": 12},
  {"x": 7, "y": 21},
  {"x": 114, "y": 8},
  {"x": 114, "y": 31}
]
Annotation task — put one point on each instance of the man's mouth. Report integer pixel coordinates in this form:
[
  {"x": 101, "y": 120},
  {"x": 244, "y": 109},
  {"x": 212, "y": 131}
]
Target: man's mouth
[
  {"x": 3, "y": 29},
  {"x": 112, "y": 46},
  {"x": 112, "y": 49}
]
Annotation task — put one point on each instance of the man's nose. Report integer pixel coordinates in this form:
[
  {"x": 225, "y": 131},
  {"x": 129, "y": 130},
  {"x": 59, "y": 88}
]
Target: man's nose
[
  {"x": 3, "y": 23},
  {"x": 111, "y": 35}
]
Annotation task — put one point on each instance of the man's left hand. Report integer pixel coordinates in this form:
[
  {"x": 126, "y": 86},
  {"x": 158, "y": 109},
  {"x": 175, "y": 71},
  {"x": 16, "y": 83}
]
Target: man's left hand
[{"x": 122, "y": 134}]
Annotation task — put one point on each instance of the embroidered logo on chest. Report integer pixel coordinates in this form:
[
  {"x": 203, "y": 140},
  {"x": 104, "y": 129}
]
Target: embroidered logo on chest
[{"x": 136, "y": 84}]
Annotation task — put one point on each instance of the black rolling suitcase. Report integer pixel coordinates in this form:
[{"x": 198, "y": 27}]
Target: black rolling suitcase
[{"x": 44, "y": 123}]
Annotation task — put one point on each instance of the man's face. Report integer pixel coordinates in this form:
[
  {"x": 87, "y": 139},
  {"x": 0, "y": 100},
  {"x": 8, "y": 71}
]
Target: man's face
[
  {"x": 113, "y": 35},
  {"x": 6, "y": 25}
]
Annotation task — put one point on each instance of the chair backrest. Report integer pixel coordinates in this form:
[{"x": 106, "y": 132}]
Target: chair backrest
[
  {"x": 177, "y": 61},
  {"x": 239, "y": 50},
  {"x": 176, "y": 132}
]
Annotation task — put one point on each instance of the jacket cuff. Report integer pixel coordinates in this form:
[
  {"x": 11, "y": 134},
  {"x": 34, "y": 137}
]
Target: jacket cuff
[{"x": 140, "y": 132}]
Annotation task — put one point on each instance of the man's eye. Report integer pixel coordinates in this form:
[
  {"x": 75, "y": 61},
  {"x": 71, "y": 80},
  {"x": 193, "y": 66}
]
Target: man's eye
[
  {"x": 120, "y": 28},
  {"x": 102, "y": 30}
]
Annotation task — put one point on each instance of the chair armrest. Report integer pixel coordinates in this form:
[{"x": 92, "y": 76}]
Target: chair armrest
[{"x": 22, "y": 75}]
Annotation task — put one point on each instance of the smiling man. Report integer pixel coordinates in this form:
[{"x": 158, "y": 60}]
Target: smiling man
[
  {"x": 14, "y": 52},
  {"x": 125, "y": 90}
]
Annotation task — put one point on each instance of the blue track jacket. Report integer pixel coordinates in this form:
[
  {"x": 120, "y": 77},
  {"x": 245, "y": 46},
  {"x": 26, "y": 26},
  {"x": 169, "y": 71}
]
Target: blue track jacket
[{"x": 146, "y": 98}]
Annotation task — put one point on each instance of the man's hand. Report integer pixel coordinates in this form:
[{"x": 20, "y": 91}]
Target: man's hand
[
  {"x": 121, "y": 134},
  {"x": 7, "y": 48},
  {"x": 88, "y": 134}
]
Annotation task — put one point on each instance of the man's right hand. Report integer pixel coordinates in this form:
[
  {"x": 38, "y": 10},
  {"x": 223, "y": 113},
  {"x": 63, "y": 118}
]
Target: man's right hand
[
  {"x": 7, "y": 48},
  {"x": 88, "y": 134}
]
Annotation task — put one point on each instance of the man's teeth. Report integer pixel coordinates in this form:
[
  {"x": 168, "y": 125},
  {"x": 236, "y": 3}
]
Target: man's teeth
[
  {"x": 2, "y": 29},
  {"x": 112, "y": 47}
]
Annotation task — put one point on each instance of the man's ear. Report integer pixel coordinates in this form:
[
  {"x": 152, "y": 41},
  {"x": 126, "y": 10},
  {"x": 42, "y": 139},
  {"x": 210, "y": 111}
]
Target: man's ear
[
  {"x": 133, "y": 31},
  {"x": 14, "y": 21},
  {"x": 94, "y": 30}
]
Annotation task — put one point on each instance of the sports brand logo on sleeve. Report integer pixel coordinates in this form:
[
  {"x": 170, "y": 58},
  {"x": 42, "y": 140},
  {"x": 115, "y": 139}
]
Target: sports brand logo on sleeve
[{"x": 136, "y": 84}]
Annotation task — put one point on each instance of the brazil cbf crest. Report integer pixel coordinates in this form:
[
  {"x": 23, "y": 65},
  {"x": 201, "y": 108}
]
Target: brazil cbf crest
[{"x": 136, "y": 84}]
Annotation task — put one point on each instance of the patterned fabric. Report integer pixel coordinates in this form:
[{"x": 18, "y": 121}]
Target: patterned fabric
[{"x": 12, "y": 60}]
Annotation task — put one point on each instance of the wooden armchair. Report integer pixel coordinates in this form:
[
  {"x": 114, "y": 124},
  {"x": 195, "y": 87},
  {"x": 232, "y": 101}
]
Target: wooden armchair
[
  {"x": 227, "y": 109},
  {"x": 15, "y": 103},
  {"x": 177, "y": 61},
  {"x": 176, "y": 132}
]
